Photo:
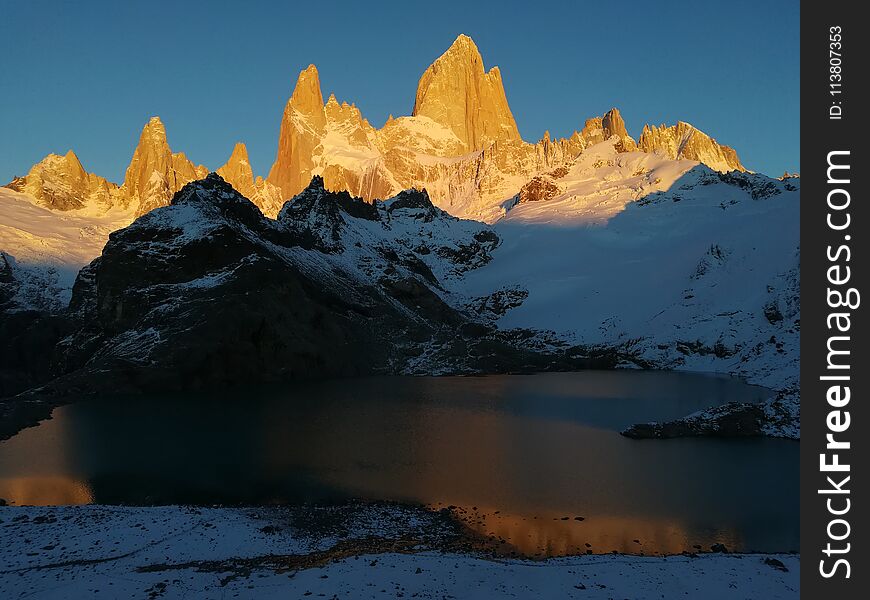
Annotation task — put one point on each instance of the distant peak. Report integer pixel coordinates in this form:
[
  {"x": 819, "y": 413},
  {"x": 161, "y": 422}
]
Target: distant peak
[
  {"x": 462, "y": 42},
  {"x": 684, "y": 140},
  {"x": 239, "y": 151},
  {"x": 154, "y": 128},
  {"x": 455, "y": 91},
  {"x": 307, "y": 97},
  {"x": 464, "y": 50},
  {"x": 613, "y": 123}
]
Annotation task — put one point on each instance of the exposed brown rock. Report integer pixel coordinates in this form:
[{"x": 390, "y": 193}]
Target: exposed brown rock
[{"x": 541, "y": 187}]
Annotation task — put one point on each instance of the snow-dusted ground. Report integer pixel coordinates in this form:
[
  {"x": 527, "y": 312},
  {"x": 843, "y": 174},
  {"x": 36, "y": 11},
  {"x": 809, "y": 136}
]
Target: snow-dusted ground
[
  {"x": 186, "y": 552},
  {"x": 50, "y": 246}
]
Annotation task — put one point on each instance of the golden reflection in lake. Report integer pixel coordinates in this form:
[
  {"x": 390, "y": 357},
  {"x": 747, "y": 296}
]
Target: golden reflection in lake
[
  {"x": 40, "y": 466},
  {"x": 527, "y": 451},
  {"x": 45, "y": 491},
  {"x": 546, "y": 534}
]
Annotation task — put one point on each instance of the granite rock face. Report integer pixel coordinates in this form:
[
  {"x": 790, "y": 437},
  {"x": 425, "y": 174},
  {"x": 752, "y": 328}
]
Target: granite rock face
[
  {"x": 685, "y": 141},
  {"x": 237, "y": 172},
  {"x": 456, "y": 92},
  {"x": 460, "y": 143},
  {"x": 61, "y": 183},
  {"x": 600, "y": 129},
  {"x": 155, "y": 172}
]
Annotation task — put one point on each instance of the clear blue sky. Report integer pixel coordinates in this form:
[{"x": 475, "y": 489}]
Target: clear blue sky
[{"x": 88, "y": 75}]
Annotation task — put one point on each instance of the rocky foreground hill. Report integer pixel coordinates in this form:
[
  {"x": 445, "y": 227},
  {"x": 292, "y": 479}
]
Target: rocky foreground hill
[{"x": 207, "y": 292}]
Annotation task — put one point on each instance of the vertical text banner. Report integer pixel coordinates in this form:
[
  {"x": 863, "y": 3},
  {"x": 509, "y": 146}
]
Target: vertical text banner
[{"x": 835, "y": 430}]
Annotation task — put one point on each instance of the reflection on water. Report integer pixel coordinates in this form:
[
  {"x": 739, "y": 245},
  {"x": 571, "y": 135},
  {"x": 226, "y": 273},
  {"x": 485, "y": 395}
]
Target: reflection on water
[
  {"x": 557, "y": 534},
  {"x": 51, "y": 489},
  {"x": 517, "y": 453}
]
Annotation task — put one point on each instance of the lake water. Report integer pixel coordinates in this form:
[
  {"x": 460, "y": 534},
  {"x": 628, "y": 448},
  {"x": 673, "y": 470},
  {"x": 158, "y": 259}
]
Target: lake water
[{"x": 517, "y": 453}]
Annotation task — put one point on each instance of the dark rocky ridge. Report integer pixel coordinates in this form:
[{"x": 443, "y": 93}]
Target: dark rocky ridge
[{"x": 207, "y": 292}]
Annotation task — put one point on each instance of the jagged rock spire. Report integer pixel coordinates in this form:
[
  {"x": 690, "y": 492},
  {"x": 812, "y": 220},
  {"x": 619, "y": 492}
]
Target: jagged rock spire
[
  {"x": 599, "y": 129},
  {"x": 61, "y": 183},
  {"x": 685, "y": 141},
  {"x": 307, "y": 97},
  {"x": 456, "y": 92},
  {"x": 155, "y": 173},
  {"x": 303, "y": 117},
  {"x": 237, "y": 171}
]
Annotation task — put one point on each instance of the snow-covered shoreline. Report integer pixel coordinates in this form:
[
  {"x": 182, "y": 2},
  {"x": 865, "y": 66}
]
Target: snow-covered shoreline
[{"x": 264, "y": 552}]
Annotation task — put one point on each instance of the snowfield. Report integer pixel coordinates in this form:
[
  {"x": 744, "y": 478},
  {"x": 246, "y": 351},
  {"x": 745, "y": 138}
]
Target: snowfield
[
  {"x": 183, "y": 552},
  {"x": 49, "y": 247},
  {"x": 682, "y": 266}
]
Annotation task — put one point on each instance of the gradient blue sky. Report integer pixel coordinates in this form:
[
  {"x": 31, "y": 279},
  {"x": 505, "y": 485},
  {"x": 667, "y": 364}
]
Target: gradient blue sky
[{"x": 88, "y": 75}]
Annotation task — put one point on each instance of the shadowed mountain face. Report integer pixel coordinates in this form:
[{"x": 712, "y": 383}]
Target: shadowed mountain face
[{"x": 207, "y": 292}]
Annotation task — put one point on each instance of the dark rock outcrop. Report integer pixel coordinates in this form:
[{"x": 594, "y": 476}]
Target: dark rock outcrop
[
  {"x": 207, "y": 292},
  {"x": 735, "y": 419}
]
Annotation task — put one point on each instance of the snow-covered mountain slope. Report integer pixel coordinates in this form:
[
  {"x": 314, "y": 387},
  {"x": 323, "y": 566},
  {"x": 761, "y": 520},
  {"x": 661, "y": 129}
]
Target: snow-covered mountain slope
[
  {"x": 48, "y": 247},
  {"x": 595, "y": 187},
  {"x": 683, "y": 266}
]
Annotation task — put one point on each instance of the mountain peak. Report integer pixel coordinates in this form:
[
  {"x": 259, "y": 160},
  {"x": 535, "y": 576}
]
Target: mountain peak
[
  {"x": 307, "y": 97},
  {"x": 456, "y": 92},
  {"x": 684, "y": 140},
  {"x": 60, "y": 182},
  {"x": 463, "y": 44},
  {"x": 155, "y": 173},
  {"x": 599, "y": 129},
  {"x": 237, "y": 171},
  {"x": 153, "y": 133},
  {"x": 240, "y": 152}
]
